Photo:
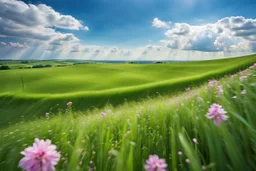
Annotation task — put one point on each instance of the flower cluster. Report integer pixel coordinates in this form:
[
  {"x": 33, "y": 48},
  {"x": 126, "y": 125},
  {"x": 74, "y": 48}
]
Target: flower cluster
[
  {"x": 217, "y": 113},
  {"x": 42, "y": 156},
  {"x": 154, "y": 163}
]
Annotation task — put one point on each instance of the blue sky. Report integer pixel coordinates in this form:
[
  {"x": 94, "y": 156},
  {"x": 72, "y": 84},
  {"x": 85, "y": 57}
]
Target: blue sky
[{"x": 91, "y": 29}]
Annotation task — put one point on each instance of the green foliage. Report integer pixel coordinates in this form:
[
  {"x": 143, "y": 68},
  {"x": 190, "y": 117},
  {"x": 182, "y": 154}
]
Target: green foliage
[
  {"x": 128, "y": 134},
  {"x": 4, "y": 67}
]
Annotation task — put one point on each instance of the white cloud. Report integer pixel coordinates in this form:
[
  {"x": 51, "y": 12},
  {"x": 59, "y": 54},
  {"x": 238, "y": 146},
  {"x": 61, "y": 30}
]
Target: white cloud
[
  {"x": 114, "y": 50},
  {"x": 85, "y": 28},
  {"x": 159, "y": 24},
  {"x": 226, "y": 35},
  {"x": 18, "y": 45},
  {"x": 3, "y": 43},
  {"x": 29, "y": 21}
]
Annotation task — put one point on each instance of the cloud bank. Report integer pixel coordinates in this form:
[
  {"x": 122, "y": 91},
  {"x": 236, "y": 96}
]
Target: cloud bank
[{"x": 230, "y": 34}]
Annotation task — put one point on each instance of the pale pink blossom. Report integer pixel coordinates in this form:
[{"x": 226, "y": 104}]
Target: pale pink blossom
[
  {"x": 187, "y": 161},
  {"x": 242, "y": 78},
  {"x": 187, "y": 89},
  {"x": 42, "y": 156},
  {"x": 154, "y": 163},
  {"x": 103, "y": 114},
  {"x": 195, "y": 140},
  {"x": 212, "y": 83},
  {"x": 220, "y": 90},
  {"x": 243, "y": 92},
  {"x": 69, "y": 103},
  {"x": 233, "y": 76},
  {"x": 217, "y": 113},
  {"x": 180, "y": 153},
  {"x": 199, "y": 99}
]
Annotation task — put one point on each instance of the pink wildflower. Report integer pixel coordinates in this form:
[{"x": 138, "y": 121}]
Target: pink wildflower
[
  {"x": 187, "y": 89},
  {"x": 233, "y": 76},
  {"x": 180, "y": 153},
  {"x": 42, "y": 156},
  {"x": 217, "y": 113},
  {"x": 195, "y": 140},
  {"x": 241, "y": 73},
  {"x": 187, "y": 161},
  {"x": 242, "y": 78},
  {"x": 69, "y": 103},
  {"x": 154, "y": 163},
  {"x": 220, "y": 90},
  {"x": 103, "y": 114},
  {"x": 243, "y": 92},
  {"x": 212, "y": 83},
  {"x": 199, "y": 99}
]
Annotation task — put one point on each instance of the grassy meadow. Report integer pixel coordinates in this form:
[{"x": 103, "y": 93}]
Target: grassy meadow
[
  {"x": 92, "y": 86},
  {"x": 126, "y": 135}
]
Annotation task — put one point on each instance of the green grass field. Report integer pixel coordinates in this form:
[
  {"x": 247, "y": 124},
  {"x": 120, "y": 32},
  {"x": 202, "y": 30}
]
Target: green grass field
[
  {"x": 92, "y": 86},
  {"x": 129, "y": 133}
]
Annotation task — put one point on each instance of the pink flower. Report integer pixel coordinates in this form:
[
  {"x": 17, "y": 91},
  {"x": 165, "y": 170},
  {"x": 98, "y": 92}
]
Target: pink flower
[
  {"x": 187, "y": 89},
  {"x": 154, "y": 163},
  {"x": 243, "y": 92},
  {"x": 69, "y": 103},
  {"x": 195, "y": 140},
  {"x": 187, "y": 161},
  {"x": 220, "y": 90},
  {"x": 217, "y": 113},
  {"x": 242, "y": 78},
  {"x": 199, "y": 99},
  {"x": 233, "y": 76},
  {"x": 47, "y": 114},
  {"x": 103, "y": 114},
  {"x": 42, "y": 156},
  {"x": 180, "y": 153},
  {"x": 241, "y": 73},
  {"x": 212, "y": 83}
]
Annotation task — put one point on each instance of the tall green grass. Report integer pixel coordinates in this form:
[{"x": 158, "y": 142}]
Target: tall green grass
[
  {"x": 128, "y": 134},
  {"x": 170, "y": 79}
]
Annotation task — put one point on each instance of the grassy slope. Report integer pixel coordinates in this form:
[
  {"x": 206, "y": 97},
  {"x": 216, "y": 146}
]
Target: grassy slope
[
  {"x": 17, "y": 106},
  {"x": 102, "y": 77},
  {"x": 129, "y": 133}
]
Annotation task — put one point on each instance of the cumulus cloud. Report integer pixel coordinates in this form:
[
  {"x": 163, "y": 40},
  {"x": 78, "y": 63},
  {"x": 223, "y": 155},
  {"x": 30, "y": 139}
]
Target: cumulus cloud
[
  {"x": 227, "y": 34},
  {"x": 114, "y": 50},
  {"x": 77, "y": 48},
  {"x": 18, "y": 19},
  {"x": 3, "y": 43},
  {"x": 18, "y": 45},
  {"x": 85, "y": 28},
  {"x": 159, "y": 24}
]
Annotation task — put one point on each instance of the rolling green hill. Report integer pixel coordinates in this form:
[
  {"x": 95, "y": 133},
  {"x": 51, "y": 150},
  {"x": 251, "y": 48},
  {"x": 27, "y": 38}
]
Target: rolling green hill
[
  {"x": 125, "y": 136},
  {"x": 29, "y": 93}
]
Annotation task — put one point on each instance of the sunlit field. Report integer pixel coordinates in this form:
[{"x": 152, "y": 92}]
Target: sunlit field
[
  {"x": 91, "y": 86},
  {"x": 177, "y": 128},
  {"x": 130, "y": 85}
]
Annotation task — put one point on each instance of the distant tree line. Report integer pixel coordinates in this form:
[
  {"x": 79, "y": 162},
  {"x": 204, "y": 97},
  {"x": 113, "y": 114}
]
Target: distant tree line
[
  {"x": 41, "y": 66},
  {"x": 4, "y": 67}
]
